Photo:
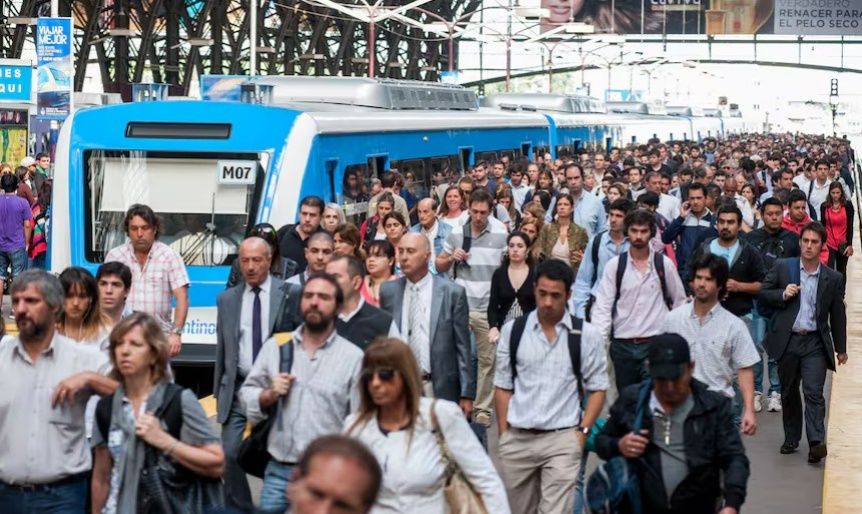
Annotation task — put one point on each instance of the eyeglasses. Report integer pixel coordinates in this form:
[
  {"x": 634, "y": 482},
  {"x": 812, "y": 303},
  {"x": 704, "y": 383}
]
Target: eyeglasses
[
  {"x": 384, "y": 374},
  {"x": 726, "y": 167}
]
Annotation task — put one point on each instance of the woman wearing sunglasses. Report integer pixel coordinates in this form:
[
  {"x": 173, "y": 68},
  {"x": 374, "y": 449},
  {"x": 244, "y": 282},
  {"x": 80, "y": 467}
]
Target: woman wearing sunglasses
[
  {"x": 395, "y": 422},
  {"x": 281, "y": 267}
]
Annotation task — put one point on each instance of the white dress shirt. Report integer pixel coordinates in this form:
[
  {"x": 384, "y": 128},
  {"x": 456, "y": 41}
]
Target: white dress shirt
[
  {"x": 431, "y": 235},
  {"x": 413, "y": 471},
  {"x": 668, "y": 206},
  {"x": 420, "y": 343},
  {"x": 641, "y": 309},
  {"x": 246, "y": 360}
]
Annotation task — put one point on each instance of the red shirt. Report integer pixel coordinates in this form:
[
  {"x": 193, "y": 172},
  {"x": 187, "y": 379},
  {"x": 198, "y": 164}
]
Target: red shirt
[{"x": 836, "y": 227}]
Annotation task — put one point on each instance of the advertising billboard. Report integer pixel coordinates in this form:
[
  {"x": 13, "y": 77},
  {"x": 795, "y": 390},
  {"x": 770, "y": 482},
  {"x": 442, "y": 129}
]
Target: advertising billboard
[
  {"x": 16, "y": 80},
  {"x": 711, "y": 17},
  {"x": 54, "y": 70}
]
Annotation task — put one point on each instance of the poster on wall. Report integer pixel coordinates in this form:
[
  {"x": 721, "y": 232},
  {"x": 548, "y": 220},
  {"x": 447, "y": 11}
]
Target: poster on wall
[
  {"x": 710, "y": 17},
  {"x": 54, "y": 70}
]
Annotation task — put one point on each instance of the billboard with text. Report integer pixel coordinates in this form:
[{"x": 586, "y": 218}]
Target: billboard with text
[{"x": 794, "y": 17}]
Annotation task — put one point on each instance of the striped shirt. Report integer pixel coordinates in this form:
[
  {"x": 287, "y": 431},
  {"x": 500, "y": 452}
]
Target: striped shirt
[
  {"x": 719, "y": 346},
  {"x": 545, "y": 390},
  {"x": 486, "y": 254},
  {"x": 325, "y": 391}
]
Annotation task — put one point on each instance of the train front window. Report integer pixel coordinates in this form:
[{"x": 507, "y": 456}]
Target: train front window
[{"x": 205, "y": 201}]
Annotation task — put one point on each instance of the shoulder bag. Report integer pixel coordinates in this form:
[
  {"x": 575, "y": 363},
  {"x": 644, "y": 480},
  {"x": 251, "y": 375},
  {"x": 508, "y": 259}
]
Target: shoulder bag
[{"x": 460, "y": 496}]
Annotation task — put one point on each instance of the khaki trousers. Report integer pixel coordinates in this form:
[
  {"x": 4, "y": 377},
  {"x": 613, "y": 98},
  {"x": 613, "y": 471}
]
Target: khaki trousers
[
  {"x": 539, "y": 470},
  {"x": 486, "y": 353}
]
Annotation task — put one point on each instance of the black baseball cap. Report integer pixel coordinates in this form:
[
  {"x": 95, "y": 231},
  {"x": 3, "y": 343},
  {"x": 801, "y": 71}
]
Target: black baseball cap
[{"x": 669, "y": 356}]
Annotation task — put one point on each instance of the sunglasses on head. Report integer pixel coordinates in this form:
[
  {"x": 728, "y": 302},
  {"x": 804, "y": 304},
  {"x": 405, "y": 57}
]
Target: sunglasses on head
[{"x": 384, "y": 374}]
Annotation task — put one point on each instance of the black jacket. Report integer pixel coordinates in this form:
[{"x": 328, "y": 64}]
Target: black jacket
[
  {"x": 783, "y": 244},
  {"x": 747, "y": 266},
  {"x": 713, "y": 450}
]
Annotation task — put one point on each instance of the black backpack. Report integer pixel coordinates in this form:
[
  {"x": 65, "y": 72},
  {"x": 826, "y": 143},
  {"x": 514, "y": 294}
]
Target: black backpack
[
  {"x": 253, "y": 455},
  {"x": 594, "y": 251},
  {"x": 658, "y": 264},
  {"x": 574, "y": 348}
]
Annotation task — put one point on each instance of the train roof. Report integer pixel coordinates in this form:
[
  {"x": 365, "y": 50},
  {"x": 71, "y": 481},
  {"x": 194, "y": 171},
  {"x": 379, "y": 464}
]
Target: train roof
[{"x": 545, "y": 102}]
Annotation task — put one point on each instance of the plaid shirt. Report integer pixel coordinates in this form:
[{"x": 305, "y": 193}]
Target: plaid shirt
[{"x": 152, "y": 284}]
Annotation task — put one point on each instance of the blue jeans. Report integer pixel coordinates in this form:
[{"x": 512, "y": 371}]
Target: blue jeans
[
  {"x": 68, "y": 498},
  {"x": 273, "y": 496},
  {"x": 16, "y": 258},
  {"x": 757, "y": 329}
]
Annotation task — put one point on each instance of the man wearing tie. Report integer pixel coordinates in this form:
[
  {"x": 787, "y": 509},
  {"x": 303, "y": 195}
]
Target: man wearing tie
[
  {"x": 808, "y": 328},
  {"x": 246, "y": 314},
  {"x": 432, "y": 313}
]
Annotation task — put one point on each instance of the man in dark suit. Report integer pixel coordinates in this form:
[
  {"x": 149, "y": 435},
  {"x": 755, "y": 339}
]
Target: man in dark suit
[
  {"x": 432, "y": 314},
  {"x": 245, "y": 320},
  {"x": 808, "y": 329}
]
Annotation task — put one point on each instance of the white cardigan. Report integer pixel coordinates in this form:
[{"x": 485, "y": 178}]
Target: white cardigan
[{"x": 413, "y": 475}]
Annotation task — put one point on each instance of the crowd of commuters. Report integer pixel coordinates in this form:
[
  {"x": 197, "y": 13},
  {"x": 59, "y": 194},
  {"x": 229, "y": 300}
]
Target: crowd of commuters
[{"x": 659, "y": 279}]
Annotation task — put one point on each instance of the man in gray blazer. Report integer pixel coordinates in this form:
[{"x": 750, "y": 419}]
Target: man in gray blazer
[
  {"x": 432, "y": 314},
  {"x": 246, "y": 316}
]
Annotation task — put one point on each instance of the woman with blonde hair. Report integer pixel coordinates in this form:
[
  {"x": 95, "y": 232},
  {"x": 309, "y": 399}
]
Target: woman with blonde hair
[
  {"x": 333, "y": 216},
  {"x": 416, "y": 439},
  {"x": 129, "y": 436}
]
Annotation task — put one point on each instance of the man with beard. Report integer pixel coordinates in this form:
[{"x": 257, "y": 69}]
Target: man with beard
[
  {"x": 720, "y": 343},
  {"x": 637, "y": 290},
  {"x": 325, "y": 374},
  {"x": 46, "y": 380}
]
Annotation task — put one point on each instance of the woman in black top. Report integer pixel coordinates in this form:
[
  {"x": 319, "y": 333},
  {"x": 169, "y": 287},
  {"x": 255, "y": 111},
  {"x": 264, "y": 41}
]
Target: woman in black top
[{"x": 512, "y": 285}]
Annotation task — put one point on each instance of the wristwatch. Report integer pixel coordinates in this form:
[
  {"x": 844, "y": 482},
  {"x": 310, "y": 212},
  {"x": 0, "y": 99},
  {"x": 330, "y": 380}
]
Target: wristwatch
[
  {"x": 176, "y": 331},
  {"x": 584, "y": 430}
]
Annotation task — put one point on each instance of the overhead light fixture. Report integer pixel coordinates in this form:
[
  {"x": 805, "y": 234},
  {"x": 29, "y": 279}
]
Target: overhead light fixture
[
  {"x": 20, "y": 20},
  {"x": 200, "y": 41},
  {"x": 580, "y": 28},
  {"x": 122, "y": 32},
  {"x": 359, "y": 60},
  {"x": 313, "y": 57},
  {"x": 265, "y": 49}
]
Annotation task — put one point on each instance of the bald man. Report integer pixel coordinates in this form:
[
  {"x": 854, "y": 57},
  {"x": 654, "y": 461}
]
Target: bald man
[
  {"x": 432, "y": 315},
  {"x": 431, "y": 228},
  {"x": 245, "y": 320}
]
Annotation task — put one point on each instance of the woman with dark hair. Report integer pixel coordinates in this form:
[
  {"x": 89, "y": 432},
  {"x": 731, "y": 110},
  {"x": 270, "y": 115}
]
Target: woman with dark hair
[
  {"x": 395, "y": 227},
  {"x": 127, "y": 429},
  {"x": 280, "y": 267},
  {"x": 82, "y": 319},
  {"x": 372, "y": 228},
  {"x": 380, "y": 264},
  {"x": 41, "y": 210},
  {"x": 545, "y": 182},
  {"x": 348, "y": 241},
  {"x": 24, "y": 190},
  {"x": 512, "y": 285},
  {"x": 407, "y": 434},
  {"x": 837, "y": 215},
  {"x": 562, "y": 239}
]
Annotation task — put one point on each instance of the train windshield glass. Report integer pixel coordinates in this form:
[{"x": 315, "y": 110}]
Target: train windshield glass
[{"x": 205, "y": 201}]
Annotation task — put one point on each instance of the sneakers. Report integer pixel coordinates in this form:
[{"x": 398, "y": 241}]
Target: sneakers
[
  {"x": 774, "y": 403},
  {"x": 758, "y": 402}
]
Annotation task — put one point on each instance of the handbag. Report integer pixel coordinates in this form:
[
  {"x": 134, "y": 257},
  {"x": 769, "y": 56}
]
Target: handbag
[
  {"x": 165, "y": 487},
  {"x": 460, "y": 496}
]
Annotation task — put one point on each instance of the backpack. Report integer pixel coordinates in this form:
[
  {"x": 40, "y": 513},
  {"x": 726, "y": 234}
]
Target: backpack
[
  {"x": 658, "y": 264},
  {"x": 615, "y": 481},
  {"x": 812, "y": 212},
  {"x": 466, "y": 244},
  {"x": 253, "y": 455},
  {"x": 594, "y": 251},
  {"x": 518, "y": 327}
]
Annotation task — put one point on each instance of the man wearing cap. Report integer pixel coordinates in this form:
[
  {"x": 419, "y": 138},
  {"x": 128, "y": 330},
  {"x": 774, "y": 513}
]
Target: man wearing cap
[
  {"x": 30, "y": 164},
  {"x": 684, "y": 422}
]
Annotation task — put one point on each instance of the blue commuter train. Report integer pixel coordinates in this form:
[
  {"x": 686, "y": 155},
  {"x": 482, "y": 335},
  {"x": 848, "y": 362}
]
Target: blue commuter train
[{"x": 214, "y": 169}]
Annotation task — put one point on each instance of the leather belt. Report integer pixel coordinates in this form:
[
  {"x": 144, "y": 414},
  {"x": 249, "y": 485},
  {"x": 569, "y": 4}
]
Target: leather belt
[
  {"x": 634, "y": 340},
  {"x": 38, "y": 488},
  {"x": 803, "y": 332},
  {"x": 537, "y": 431}
]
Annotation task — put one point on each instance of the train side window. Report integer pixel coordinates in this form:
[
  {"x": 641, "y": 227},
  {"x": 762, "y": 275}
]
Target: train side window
[
  {"x": 355, "y": 192},
  {"x": 541, "y": 152},
  {"x": 331, "y": 167},
  {"x": 577, "y": 145},
  {"x": 526, "y": 150},
  {"x": 487, "y": 157},
  {"x": 444, "y": 170},
  {"x": 465, "y": 159},
  {"x": 414, "y": 174},
  {"x": 564, "y": 151}
]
